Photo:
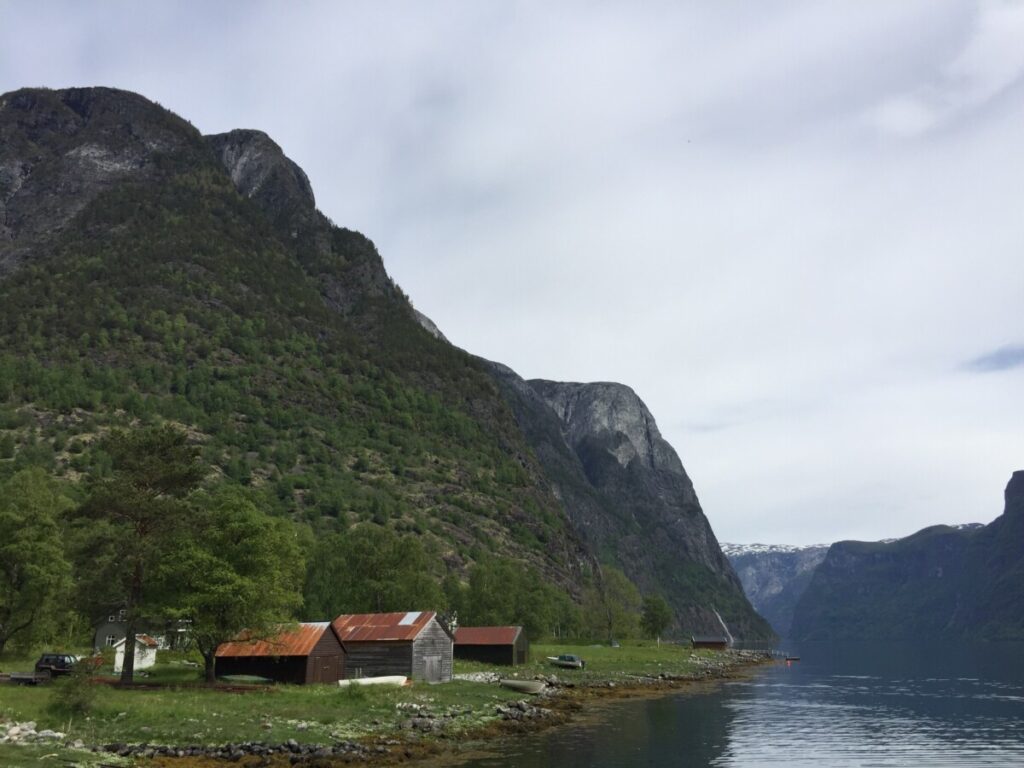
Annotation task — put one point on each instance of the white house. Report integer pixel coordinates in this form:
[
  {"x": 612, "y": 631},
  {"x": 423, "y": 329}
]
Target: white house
[{"x": 145, "y": 653}]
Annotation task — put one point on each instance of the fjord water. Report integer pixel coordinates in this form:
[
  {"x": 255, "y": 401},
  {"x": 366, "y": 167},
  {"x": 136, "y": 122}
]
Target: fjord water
[{"x": 851, "y": 704}]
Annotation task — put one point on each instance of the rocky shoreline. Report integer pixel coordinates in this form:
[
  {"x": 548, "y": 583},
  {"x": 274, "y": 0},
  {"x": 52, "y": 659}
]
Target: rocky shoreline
[{"x": 423, "y": 733}]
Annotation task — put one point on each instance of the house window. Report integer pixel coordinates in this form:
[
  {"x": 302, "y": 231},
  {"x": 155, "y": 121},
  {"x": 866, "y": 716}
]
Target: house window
[
  {"x": 111, "y": 639},
  {"x": 112, "y": 618}
]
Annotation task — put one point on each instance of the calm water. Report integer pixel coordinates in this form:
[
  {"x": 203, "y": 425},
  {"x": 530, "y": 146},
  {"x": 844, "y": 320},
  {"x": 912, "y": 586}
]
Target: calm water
[{"x": 841, "y": 705}]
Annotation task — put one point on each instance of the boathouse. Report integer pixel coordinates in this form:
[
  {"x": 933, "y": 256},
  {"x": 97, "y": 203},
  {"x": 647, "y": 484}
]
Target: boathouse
[
  {"x": 716, "y": 642},
  {"x": 309, "y": 654},
  {"x": 414, "y": 644},
  {"x": 492, "y": 645}
]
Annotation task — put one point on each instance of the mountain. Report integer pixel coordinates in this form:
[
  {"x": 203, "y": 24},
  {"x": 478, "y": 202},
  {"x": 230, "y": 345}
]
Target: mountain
[
  {"x": 944, "y": 581},
  {"x": 628, "y": 496},
  {"x": 774, "y": 577},
  {"x": 148, "y": 273}
]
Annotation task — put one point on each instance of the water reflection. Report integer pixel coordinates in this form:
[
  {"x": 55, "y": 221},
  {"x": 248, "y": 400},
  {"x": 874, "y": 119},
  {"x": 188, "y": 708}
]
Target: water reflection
[{"x": 841, "y": 705}]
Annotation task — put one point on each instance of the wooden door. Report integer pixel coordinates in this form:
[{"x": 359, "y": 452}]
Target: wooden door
[
  {"x": 432, "y": 669},
  {"x": 327, "y": 669}
]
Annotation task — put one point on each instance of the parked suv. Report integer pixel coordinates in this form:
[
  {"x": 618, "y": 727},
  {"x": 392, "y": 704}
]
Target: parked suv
[{"x": 54, "y": 664}]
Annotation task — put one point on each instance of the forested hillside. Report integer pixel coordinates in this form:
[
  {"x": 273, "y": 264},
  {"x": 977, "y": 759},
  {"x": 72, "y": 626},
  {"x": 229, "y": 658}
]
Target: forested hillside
[{"x": 151, "y": 275}]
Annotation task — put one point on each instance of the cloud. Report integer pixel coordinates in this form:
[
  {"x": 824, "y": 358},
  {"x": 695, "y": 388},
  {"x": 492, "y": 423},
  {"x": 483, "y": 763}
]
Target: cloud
[
  {"x": 988, "y": 64},
  {"x": 999, "y": 360},
  {"x": 678, "y": 196}
]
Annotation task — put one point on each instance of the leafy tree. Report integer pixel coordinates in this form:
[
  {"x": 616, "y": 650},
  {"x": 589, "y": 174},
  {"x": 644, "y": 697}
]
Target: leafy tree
[
  {"x": 503, "y": 591},
  {"x": 132, "y": 520},
  {"x": 612, "y": 607},
  {"x": 34, "y": 574},
  {"x": 370, "y": 569},
  {"x": 657, "y": 615},
  {"x": 241, "y": 570}
]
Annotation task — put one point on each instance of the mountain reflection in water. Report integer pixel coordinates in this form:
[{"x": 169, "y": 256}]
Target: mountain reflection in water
[{"x": 849, "y": 704}]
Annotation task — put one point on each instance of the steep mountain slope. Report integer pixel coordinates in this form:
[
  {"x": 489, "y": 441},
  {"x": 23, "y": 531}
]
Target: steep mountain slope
[
  {"x": 148, "y": 272},
  {"x": 943, "y": 581},
  {"x": 627, "y": 493},
  {"x": 774, "y": 577},
  {"x": 152, "y": 273}
]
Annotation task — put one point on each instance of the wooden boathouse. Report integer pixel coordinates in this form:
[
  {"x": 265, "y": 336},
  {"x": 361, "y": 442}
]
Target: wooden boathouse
[
  {"x": 309, "y": 654},
  {"x": 492, "y": 645},
  {"x": 414, "y": 644},
  {"x": 716, "y": 642}
]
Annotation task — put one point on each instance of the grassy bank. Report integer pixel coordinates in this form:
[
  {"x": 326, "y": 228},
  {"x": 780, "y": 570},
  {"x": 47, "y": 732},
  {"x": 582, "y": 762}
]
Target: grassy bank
[{"x": 182, "y": 711}]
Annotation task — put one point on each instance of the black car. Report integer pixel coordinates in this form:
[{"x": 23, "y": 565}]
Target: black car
[{"x": 54, "y": 664}]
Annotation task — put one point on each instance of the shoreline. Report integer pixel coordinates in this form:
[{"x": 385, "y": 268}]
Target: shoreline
[
  {"x": 563, "y": 704},
  {"x": 429, "y": 725}
]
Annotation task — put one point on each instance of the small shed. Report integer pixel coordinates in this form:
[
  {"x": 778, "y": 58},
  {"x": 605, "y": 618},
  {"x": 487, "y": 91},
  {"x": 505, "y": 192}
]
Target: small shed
[
  {"x": 492, "y": 645},
  {"x": 414, "y": 644},
  {"x": 716, "y": 642},
  {"x": 145, "y": 653},
  {"x": 309, "y": 654}
]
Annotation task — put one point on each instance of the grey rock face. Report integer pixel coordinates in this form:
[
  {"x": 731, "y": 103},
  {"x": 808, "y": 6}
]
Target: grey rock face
[
  {"x": 60, "y": 149},
  {"x": 774, "y": 578},
  {"x": 627, "y": 495},
  {"x": 611, "y": 412},
  {"x": 261, "y": 171}
]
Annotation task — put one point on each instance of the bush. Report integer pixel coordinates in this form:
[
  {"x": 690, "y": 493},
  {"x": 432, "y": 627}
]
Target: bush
[{"x": 75, "y": 694}]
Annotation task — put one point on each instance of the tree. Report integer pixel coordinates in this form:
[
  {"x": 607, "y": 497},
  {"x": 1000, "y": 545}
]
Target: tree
[
  {"x": 611, "y": 608},
  {"x": 370, "y": 569},
  {"x": 503, "y": 591},
  {"x": 657, "y": 615},
  {"x": 132, "y": 520},
  {"x": 34, "y": 574},
  {"x": 241, "y": 570}
]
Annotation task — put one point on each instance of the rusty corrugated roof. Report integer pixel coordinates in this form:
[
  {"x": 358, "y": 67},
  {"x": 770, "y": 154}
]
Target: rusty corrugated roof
[
  {"x": 357, "y": 627},
  {"x": 486, "y": 635},
  {"x": 297, "y": 642}
]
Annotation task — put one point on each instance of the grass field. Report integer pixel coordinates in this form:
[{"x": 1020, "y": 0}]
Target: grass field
[{"x": 185, "y": 712}]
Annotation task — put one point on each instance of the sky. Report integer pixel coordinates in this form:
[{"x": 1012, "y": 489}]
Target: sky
[{"x": 795, "y": 229}]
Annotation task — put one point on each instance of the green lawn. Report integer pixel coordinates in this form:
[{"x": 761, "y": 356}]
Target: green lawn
[
  {"x": 185, "y": 712},
  {"x": 603, "y": 662}
]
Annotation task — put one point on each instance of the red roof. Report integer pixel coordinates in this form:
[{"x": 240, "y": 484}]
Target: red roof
[
  {"x": 487, "y": 635},
  {"x": 297, "y": 642},
  {"x": 358, "y": 627}
]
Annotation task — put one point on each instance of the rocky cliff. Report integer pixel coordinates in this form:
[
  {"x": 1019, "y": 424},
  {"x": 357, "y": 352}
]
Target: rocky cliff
[
  {"x": 774, "y": 577},
  {"x": 943, "y": 581},
  {"x": 626, "y": 492}
]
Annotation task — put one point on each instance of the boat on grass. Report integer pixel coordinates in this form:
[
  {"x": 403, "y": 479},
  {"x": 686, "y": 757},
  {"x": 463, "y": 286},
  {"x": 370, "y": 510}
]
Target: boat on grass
[
  {"x": 396, "y": 680},
  {"x": 567, "y": 660},
  {"x": 523, "y": 686}
]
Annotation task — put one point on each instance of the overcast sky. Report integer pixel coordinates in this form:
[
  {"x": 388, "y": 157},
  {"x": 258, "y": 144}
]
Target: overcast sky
[{"x": 795, "y": 229}]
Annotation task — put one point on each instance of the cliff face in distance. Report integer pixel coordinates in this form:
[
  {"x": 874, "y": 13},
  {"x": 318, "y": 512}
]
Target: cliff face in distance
[
  {"x": 943, "y": 581},
  {"x": 627, "y": 494},
  {"x": 148, "y": 272},
  {"x": 774, "y": 577}
]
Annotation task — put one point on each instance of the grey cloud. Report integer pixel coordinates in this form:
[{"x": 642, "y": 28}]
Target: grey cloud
[{"x": 999, "y": 360}]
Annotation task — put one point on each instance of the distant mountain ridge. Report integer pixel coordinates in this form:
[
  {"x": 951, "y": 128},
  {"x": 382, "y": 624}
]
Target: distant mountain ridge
[
  {"x": 774, "y": 577},
  {"x": 147, "y": 271},
  {"x": 964, "y": 581}
]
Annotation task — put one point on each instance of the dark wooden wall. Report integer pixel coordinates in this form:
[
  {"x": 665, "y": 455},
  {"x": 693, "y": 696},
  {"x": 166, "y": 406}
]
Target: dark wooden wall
[
  {"x": 432, "y": 654},
  {"x": 280, "y": 669},
  {"x": 378, "y": 658},
  {"x": 326, "y": 662},
  {"x": 486, "y": 654}
]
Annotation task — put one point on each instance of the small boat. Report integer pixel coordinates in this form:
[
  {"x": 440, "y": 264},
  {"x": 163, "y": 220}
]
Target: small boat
[
  {"x": 567, "y": 660},
  {"x": 524, "y": 686},
  {"x": 792, "y": 658},
  {"x": 396, "y": 680}
]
